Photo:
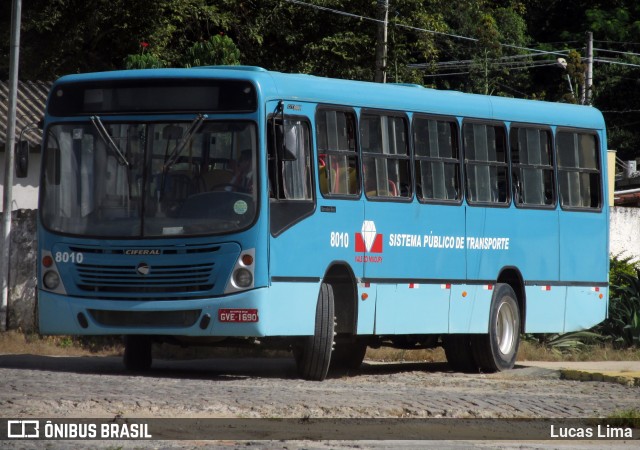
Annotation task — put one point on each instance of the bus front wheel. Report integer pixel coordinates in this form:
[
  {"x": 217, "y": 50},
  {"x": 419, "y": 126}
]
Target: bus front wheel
[
  {"x": 497, "y": 350},
  {"x": 314, "y": 355},
  {"x": 137, "y": 353}
]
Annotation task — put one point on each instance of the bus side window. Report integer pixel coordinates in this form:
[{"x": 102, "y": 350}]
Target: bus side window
[
  {"x": 385, "y": 156},
  {"x": 532, "y": 167},
  {"x": 437, "y": 159},
  {"x": 578, "y": 170},
  {"x": 486, "y": 163},
  {"x": 337, "y": 155}
]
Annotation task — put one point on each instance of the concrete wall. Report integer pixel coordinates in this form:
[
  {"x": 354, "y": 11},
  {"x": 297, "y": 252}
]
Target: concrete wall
[
  {"x": 25, "y": 190},
  {"x": 21, "y": 312},
  {"x": 624, "y": 232}
]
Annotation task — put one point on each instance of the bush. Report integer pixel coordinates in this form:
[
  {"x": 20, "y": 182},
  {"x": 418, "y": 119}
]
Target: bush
[{"x": 622, "y": 326}]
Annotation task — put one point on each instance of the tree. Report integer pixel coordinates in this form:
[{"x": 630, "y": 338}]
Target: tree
[
  {"x": 70, "y": 36},
  {"x": 217, "y": 50},
  {"x": 485, "y": 39}
]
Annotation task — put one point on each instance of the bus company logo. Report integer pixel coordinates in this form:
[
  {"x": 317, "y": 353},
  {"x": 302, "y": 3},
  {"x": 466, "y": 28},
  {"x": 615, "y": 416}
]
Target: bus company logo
[
  {"x": 143, "y": 269},
  {"x": 368, "y": 241},
  {"x": 142, "y": 251}
]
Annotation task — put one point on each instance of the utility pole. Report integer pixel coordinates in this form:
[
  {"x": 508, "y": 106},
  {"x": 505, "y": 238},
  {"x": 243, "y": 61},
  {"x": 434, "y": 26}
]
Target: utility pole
[
  {"x": 381, "y": 42},
  {"x": 9, "y": 158},
  {"x": 589, "y": 78}
]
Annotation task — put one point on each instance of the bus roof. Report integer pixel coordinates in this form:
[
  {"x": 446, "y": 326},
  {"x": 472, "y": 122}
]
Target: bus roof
[{"x": 403, "y": 97}]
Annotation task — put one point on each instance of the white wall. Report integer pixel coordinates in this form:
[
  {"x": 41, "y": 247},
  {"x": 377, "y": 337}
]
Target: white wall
[
  {"x": 25, "y": 190},
  {"x": 625, "y": 232}
]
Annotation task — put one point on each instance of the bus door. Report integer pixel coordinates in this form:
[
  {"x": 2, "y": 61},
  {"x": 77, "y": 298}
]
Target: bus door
[
  {"x": 314, "y": 204},
  {"x": 408, "y": 242}
]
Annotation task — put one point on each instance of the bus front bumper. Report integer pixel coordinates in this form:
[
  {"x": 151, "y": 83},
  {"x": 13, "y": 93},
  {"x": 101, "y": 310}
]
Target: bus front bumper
[{"x": 233, "y": 315}]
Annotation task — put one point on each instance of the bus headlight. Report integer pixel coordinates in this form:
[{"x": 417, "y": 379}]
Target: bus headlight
[
  {"x": 51, "y": 280},
  {"x": 242, "y": 275},
  {"x": 242, "y": 278}
]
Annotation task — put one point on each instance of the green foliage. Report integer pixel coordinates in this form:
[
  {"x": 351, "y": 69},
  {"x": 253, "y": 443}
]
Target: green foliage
[
  {"x": 217, "y": 50},
  {"x": 564, "y": 343},
  {"x": 143, "y": 61},
  {"x": 622, "y": 326},
  {"x": 624, "y": 418},
  {"x": 619, "y": 266}
]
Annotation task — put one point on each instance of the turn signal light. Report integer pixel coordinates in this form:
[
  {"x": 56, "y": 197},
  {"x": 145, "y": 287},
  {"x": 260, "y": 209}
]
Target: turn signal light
[{"x": 247, "y": 259}]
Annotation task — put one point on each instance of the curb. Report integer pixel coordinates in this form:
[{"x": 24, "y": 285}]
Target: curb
[{"x": 626, "y": 379}]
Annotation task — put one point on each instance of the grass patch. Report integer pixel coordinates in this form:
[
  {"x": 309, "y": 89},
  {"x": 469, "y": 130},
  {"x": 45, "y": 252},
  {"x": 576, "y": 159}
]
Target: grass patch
[
  {"x": 17, "y": 342},
  {"x": 387, "y": 354},
  {"x": 530, "y": 351},
  {"x": 624, "y": 418}
]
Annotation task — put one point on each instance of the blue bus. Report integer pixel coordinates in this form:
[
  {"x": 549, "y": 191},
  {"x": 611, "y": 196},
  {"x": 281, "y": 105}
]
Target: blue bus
[{"x": 235, "y": 206}]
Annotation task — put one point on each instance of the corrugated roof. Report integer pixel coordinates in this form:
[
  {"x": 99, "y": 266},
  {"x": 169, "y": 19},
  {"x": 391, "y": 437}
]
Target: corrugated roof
[{"x": 32, "y": 96}]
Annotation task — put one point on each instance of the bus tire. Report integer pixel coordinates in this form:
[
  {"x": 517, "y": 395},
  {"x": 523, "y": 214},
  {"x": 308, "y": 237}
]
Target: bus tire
[
  {"x": 497, "y": 350},
  {"x": 314, "y": 355},
  {"x": 348, "y": 355},
  {"x": 457, "y": 348},
  {"x": 137, "y": 353}
]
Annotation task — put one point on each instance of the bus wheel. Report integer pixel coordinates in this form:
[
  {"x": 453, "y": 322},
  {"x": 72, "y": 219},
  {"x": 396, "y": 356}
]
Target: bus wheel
[
  {"x": 497, "y": 350},
  {"x": 137, "y": 353},
  {"x": 314, "y": 355},
  {"x": 457, "y": 348},
  {"x": 348, "y": 355}
]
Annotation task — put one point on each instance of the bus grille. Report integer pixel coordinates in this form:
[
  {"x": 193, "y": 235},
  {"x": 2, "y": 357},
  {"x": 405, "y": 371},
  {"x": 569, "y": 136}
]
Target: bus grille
[{"x": 159, "y": 279}]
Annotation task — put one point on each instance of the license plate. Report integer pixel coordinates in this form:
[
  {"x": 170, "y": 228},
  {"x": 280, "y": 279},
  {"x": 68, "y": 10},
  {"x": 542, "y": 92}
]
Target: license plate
[{"x": 238, "y": 315}]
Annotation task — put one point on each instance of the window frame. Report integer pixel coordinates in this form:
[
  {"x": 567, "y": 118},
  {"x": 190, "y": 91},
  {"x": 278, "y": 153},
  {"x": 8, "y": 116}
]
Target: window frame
[
  {"x": 408, "y": 157},
  {"x": 552, "y": 167},
  {"x": 598, "y": 156},
  {"x": 467, "y": 162},
  {"x": 285, "y": 213},
  {"x": 416, "y": 159},
  {"x": 356, "y": 152}
]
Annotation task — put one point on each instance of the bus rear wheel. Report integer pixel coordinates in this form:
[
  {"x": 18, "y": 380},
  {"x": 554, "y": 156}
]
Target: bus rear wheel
[
  {"x": 313, "y": 357},
  {"x": 497, "y": 350},
  {"x": 137, "y": 353}
]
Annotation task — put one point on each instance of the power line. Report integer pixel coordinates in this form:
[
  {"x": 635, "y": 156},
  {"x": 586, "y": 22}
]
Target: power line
[
  {"x": 611, "y": 61},
  {"x": 617, "y": 42},
  {"x": 616, "y": 51},
  {"x": 454, "y": 36},
  {"x": 410, "y": 27}
]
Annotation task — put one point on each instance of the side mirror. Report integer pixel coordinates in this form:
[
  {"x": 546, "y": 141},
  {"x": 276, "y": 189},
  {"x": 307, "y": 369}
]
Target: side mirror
[{"x": 22, "y": 159}]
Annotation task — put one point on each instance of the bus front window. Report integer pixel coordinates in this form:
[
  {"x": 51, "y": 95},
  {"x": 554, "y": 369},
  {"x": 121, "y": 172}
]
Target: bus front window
[{"x": 154, "y": 179}]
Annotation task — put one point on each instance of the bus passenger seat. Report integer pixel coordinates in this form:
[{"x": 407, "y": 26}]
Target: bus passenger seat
[{"x": 322, "y": 179}]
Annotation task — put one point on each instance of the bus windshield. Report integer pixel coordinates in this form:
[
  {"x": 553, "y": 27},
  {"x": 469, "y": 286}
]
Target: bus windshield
[{"x": 113, "y": 179}]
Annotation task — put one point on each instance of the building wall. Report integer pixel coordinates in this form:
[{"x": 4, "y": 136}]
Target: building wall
[
  {"x": 25, "y": 190},
  {"x": 624, "y": 232}
]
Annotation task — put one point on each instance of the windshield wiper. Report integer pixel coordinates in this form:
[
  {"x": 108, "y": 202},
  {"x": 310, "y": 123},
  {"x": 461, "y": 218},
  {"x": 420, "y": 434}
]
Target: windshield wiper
[
  {"x": 104, "y": 135},
  {"x": 193, "y": 129}
]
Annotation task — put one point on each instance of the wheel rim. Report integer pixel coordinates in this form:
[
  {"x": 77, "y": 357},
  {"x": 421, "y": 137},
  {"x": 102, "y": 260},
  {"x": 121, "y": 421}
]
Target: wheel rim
[{"x": 506, "y": 327}]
